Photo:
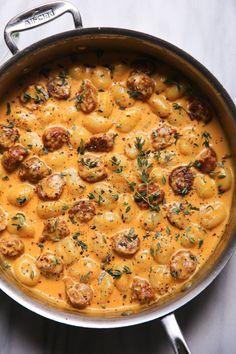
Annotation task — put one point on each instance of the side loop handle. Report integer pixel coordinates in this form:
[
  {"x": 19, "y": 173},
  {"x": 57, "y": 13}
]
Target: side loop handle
[
  {"x": 37, "y": 17},
  {"x": 175, "y": 335}
]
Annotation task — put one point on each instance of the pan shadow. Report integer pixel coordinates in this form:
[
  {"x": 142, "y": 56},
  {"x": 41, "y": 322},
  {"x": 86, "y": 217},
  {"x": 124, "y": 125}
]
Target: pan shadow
[{"x": 23, "y": 332}]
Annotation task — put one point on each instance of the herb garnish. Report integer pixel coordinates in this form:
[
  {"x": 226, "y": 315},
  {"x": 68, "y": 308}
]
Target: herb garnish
[
  {"x": 82, "y": 245},
  {"x": 116, "y": 273},
  {"x": 8, "y": 111},
  {"x": 81, "y": 147},
  {"x": 88, "y": 163},
  {"x": 206, "y": 136},
  {"x": 132, "y": 186},
  {"x": 20, "y": 220},
  {"x": 116, "y": 162},
  {"x": 21, "y": 200},
  {"x": 173, "y": 82},
  {"x": 177, "y": 106},
  {"x": 131, "y": 235}
]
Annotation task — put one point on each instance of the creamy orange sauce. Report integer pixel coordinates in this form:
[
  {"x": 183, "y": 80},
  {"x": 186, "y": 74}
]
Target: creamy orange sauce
[{"x": 121, "y": 113}]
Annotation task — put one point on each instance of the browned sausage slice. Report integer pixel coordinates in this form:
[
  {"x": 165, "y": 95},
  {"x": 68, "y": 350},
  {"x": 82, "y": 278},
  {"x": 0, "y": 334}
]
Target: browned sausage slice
[
  {"x": 91, "y": 168},
  {"x": 79, "y": 295},
  {"x": 163, "y": 137},
  {"x": 100, "y": 143},
  {"x": 87, "y": 97},
  {"x": 8, "y": 136},
  {"x": 141, "y": 290},
  {"x": 54, "y": 229},
  {"x": 141, "y": 86},
  {"x": 126, "y": 242},
  {"x": 82, "y": 211},
  {"x": 183, "y": 264},
  {"x": 33, "y": 170},
  {"x": 55, "y": 137},
  {"x": 49, "y": 264},
  {"x": 12, "y": 158},
  {"x": 11, "y": 246},
  {"x": 149, "y": 196},
  {"x": 51, "y": 187},
  {"x": 181, "y": 180},
  {"x": 58, "y": 88},
  {"x": 200, "y": 110},
  {"x": 207, "y": 161}
]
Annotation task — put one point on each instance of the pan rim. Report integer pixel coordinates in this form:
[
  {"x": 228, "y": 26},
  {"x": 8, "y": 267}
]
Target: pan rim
[{"x": 141, "y": 317}]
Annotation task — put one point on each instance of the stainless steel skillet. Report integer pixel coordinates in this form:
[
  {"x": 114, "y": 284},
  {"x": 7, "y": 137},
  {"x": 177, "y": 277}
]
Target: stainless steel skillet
[{"x": 80, "y": 40}]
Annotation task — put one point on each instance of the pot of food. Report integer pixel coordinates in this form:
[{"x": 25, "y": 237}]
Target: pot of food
[{"x": 117, "y": 175}]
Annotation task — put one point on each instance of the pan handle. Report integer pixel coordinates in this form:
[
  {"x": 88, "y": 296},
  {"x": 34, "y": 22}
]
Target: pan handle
[
  {"x": 175, "y": 335},
  {"x": 38, "y": 16}
]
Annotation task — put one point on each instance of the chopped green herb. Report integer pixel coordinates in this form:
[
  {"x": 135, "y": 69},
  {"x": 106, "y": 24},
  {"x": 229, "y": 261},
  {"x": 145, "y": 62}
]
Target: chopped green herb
[
  {"x": 127, "y": 209},
  {"x": 76, "y": 235},
  {"x": 6, "y": 265},
  {"x": 100, "y": 200},
  {"x": 131, "y": 235},
  {"x": 85, "y": 277},
  {"x": 177, "y": 106},
  {"x": 134, "y": 94},
  {"x": 79, "y": 98},
  {"x": 114, "y": 138},
  {"x": 163, "y": 179},
  {"x": 45, "y": 150},
  {"x": 20, "y": 220},
  {"x": 116, "y": 274},
  {"x": 168, "y": 231},
  {"x": 63, "y": 174},
  {"x": 40, "y": 245},
  {"x": 8, "y": 111},
  {"x": 126, "y": 270},
  {"x": 82, "y": 245},
  {"x": 200, "y": 243},
  {"x": 184, "y": 191},
  {"x": 173, "y": 82},
  {"x": 107, "y": 259},
  {"x": 42, "y": 92},
  {"x": 221, "y": 176},
  {"x": 26, "y": 97},
  {"x": 157, "y": 234},
  {"x": 81, "y": 148},
  {"x": 132, "y": 186},
  {"x": 9, "y": 125},
  {"x": 22, "y": 200},
  {"x": 55, "y": 261},
  {"x": 206, "y": 136},
  {"x": 115, "y": 197},
  {"x": 146, "y": 236},
  {"x": 174, "y": 274},
  {"x": 89, "y": 164},
  {"x": 139, "y": 143}
]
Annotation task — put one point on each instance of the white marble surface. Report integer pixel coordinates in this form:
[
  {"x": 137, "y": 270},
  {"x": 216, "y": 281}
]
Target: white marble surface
[{"x": 206, "y": 29}]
